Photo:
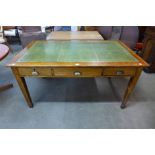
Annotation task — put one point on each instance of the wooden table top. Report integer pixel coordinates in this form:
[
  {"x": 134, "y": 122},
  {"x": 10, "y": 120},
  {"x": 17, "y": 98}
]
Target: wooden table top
[
  {"x": 4, "y": 50},
  {"x": 83, "y": 52},
  {"x": 77, "y": 35}
]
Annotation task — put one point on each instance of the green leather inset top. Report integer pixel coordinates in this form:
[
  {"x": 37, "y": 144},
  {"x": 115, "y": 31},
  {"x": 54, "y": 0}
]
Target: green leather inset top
[{"x": 77, "y": 51}]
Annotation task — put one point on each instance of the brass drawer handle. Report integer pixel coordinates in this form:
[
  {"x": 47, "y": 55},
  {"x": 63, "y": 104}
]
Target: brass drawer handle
[
  {"x": 119, "y": 72},
  {"x": 77, "y": 73},
  {"x": 34, "y": 72}
]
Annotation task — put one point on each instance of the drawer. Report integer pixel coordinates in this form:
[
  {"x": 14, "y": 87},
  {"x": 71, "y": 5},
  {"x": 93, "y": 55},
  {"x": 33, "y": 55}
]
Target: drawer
[
  {"x": 36, "y": 71},
  {"x": 118, "y": 71},
  {"x": 77, "y": 72}
]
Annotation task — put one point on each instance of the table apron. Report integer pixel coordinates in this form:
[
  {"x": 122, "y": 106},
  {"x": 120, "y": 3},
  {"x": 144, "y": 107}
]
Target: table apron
[{"x": 76, "y": 71}]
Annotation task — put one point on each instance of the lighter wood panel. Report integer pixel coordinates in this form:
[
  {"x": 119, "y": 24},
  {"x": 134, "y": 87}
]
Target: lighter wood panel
[{"x": 78, "y": 35}]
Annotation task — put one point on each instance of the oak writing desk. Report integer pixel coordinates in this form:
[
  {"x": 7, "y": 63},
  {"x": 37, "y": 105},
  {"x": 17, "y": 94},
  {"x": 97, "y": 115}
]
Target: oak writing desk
[{"x": 79, "y": 59}]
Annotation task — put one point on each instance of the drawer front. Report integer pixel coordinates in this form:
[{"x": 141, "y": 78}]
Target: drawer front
[
  {"x": 37, "y": 71},
  {"x": 77, "y": 72},
  {"x": 118, "y": 71}
]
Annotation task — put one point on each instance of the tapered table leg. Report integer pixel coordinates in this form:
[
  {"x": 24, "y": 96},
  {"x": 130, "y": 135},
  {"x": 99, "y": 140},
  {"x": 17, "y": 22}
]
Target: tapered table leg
[
  {"x": 23, "y": 87},
  {"x": 131, "y": 85}
]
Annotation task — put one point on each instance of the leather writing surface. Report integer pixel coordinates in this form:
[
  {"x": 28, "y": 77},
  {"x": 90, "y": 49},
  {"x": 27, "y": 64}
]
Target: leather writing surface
[{"x": 77, "y": 51}]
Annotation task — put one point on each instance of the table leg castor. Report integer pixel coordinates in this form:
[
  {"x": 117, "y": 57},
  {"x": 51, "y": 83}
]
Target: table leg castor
[
  {"x": 123, "y": 106},
  {"x": 31, "y": 106}
]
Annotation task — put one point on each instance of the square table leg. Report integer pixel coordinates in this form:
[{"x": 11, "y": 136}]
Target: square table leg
[
  {"x": 22, "y": 84},
  {"x": 131, "y": 85}
]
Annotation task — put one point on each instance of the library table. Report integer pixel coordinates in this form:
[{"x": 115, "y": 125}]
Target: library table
[{"x": 77, "y": 59}]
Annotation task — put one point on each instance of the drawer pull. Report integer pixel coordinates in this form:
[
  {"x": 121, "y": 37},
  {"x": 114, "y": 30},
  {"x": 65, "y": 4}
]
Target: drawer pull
[
  {"x": 120, "y": 72},
  {"x": 77, "y": 73},
  {"x": 35, "y": 73}
]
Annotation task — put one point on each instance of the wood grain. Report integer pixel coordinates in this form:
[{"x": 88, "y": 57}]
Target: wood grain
[
  {"x": 83, "y": 72},
  {"x": 78, "y": 35},
  {"x": 131, "y": 85},
  {"x": 40, "y": 72},
  {"x": 23, "y": 87},
  {"x": 119, "y": 71}
]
